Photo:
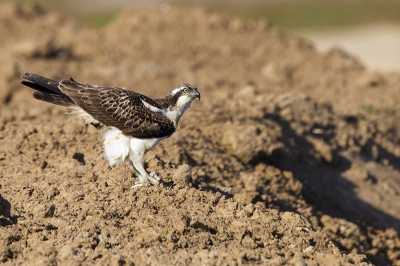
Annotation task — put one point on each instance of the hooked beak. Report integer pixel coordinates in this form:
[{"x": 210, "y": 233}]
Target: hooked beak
[{"x": 197, "y": 95}]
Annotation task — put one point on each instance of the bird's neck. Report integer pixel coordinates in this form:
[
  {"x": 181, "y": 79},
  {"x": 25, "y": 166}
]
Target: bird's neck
[
  {"x": 175, "y": 114},
  {"x": 174, "y": 109}
]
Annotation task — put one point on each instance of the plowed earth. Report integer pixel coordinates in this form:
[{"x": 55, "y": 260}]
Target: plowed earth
[{"x": 291, "y": 156}]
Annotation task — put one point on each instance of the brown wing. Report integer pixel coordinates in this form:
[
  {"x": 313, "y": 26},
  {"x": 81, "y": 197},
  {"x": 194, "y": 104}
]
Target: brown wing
[{"x": 120, "y": 108}]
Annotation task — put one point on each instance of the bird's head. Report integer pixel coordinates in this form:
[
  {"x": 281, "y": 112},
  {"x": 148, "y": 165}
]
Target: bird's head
[
  {"x": 182, "y": 96},
  {"x": 178, "y": 100}
]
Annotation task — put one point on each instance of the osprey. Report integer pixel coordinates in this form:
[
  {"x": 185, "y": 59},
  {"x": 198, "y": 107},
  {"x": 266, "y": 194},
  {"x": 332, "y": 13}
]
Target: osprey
[{"x": 132, "y": 123}]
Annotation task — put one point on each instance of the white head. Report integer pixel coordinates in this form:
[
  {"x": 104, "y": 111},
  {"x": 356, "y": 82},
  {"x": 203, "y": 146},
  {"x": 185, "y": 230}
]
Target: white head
[
  {"x": 183, "y": 95},
  {"x": 179, "y": 100}
]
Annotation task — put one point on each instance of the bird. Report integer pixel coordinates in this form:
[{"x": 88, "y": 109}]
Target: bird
[{"x": 131, "y": 123}]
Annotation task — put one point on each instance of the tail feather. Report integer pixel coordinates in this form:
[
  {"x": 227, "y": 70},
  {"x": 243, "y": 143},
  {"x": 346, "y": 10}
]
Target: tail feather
[
  {"x": 53, "y": 98},
  {"x": 47, "y": 90},
  {"x": 42, "y": 82}
]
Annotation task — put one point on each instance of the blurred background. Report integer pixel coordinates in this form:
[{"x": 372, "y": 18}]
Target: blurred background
[{"x": 368, "y": 29}]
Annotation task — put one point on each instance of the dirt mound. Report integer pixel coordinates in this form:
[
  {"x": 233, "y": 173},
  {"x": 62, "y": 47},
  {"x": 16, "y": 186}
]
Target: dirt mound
[{"x": 290, "y": 157}]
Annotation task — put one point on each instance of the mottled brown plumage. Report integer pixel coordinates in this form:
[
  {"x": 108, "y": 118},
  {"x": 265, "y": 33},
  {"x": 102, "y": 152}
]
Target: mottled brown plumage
[{"x": 132, "y": 123}]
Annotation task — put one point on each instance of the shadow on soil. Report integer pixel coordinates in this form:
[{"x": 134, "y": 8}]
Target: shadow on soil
[
  {"x": 5, "y": 212},
  {"x": 324, "y": 187}
]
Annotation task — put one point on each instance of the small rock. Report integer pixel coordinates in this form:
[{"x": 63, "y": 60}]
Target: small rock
[
  {"x": 391, "y": 233},
  {"x": 249, "y": 209},
  {"x": 276, "y": 72},
  {"x": 323, "y": 149},
  {"x": 248, "y": 142},
  {"x": 357, "y": 172},
  {"x": 44, "y": 210},
  {"x": 47, "y": 250},
  {"x": 308, "y": 249},
  {"x": 378, "y": 243},
  {"x": 394, "y": 256},
  {"x": 183, "y": 174},
  {"x": 329, "y": 224},
  {"x": 348, "y": 229},
  {"x": 67, "y": 253},
  {"x": 246, "y": 196},
  {"x": 370, "y": 80}
]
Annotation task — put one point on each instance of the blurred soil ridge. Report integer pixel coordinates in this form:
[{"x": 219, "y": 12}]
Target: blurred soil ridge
[{"x": 291, "y": 156}]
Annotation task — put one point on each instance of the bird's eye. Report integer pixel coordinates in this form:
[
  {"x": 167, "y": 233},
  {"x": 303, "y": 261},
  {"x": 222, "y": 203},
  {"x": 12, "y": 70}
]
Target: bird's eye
[{"x": 185, "y": 90}]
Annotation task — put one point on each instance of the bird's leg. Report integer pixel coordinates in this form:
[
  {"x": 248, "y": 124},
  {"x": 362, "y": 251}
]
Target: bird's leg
[
  {"x": 141, "y": 177},
  {"x": 144, "y": 177}
]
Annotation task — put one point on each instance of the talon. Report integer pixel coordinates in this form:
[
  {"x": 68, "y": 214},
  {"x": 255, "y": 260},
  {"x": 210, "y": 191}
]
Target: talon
[
  {"x": 137, "y": 184},
  {"x": 159, "y": 176},
  {"x": 155, "y": 177},
  {"x": 140, "y": 184}
]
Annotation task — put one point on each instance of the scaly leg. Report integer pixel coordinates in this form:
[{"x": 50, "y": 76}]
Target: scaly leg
[
  {"x": 138, "y": 148},
  {"x": 144, "y": 177}
]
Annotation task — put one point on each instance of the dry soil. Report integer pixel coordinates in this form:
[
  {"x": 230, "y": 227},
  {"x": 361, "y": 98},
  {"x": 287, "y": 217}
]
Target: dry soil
[{"x": 291, "y": 157}]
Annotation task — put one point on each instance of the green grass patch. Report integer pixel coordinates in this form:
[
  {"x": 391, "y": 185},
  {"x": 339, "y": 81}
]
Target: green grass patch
[
  {"x": 97, "y": 17},
  {"x": 314, "y": 14},
  {"x": 97, "y": 20},
  {"x": 288, "y": 14},
  {"x": 369, "y": 109},
  {"x": 398, "y": 116}
]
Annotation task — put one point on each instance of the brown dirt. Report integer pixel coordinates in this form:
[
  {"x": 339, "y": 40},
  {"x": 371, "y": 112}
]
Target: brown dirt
[{"x": 291, "y": 156}]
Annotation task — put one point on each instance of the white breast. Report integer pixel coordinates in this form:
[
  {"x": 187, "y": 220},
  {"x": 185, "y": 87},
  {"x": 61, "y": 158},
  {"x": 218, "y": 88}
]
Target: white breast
[{"x": 116, "y": 146}]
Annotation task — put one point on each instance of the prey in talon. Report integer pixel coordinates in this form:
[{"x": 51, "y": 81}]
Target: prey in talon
[{"x": 131, "y": 123}]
